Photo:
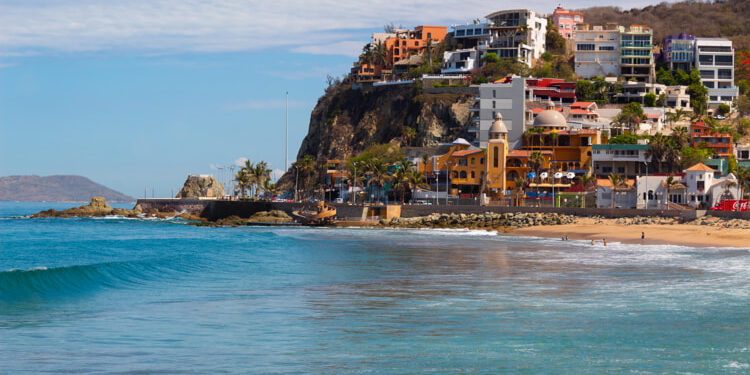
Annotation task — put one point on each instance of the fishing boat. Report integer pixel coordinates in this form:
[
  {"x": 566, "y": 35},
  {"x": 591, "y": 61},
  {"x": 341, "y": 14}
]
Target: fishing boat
[{"x": 321, "y": 214}]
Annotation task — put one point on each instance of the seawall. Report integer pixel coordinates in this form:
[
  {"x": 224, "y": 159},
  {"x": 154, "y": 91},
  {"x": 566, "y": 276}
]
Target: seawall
[{"x": 218, "y": 209}]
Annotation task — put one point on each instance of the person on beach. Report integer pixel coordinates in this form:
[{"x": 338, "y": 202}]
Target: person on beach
[
  {"x": 643, "y": 236},
  {"x": 604, "y": 241},
  {"x": 592, "y": 243}
]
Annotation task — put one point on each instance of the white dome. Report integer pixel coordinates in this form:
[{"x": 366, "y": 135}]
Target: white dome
[
  {"x": 550, "y": 118},
  {"x": 498, "y": 126}
]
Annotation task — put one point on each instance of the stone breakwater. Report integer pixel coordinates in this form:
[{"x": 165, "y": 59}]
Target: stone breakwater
[
  {"x": 706, "y": 221},
  {"x": 487, "y": 220}
]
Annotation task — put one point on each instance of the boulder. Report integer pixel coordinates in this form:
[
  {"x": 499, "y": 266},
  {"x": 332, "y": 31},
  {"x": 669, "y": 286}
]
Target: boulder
[{"x": 202, "y": 186}]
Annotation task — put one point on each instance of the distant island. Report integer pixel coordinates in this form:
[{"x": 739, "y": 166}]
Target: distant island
[{"x": 60, "y": 188}]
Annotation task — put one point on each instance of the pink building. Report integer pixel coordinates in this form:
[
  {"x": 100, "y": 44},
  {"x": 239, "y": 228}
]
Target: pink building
[{"x": 566, "y": 21}]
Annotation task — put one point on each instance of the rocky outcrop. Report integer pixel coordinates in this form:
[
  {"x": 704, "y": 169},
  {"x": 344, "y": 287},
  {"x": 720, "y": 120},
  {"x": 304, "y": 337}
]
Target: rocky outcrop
[
  {"x": 487, "y": 220},
  {"x": 201, "y": 187},
  {"x": 98, "y": 207},
  {"x": 273, "y": 217},
  {"x": 347, "y": 119}
]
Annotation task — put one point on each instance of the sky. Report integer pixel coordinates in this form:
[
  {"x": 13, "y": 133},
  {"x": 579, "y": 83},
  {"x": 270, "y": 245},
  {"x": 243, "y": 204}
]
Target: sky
[{"x": 138, "y": 94}]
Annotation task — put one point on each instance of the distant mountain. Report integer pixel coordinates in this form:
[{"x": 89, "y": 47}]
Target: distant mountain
[{"x": 64, "y": 188}]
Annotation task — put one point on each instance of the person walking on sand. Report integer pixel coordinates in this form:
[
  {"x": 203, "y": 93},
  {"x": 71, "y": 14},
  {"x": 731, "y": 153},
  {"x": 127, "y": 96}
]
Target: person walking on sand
[
  {"x": 604, "y": 241},
  {"x": 643, "y": 236}
]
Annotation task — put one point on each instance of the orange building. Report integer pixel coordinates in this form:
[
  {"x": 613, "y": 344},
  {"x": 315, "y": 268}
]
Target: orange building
[
  {"x": 570, "y": 148},
  {"x": 702, "y": 135},
  {"x": 409, "y": 43}
]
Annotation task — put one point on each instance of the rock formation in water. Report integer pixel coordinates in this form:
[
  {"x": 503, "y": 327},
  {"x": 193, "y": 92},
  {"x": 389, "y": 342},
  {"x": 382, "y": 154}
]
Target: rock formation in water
[
  {"x": 201, "y": 187},
  {"x": 97, "y": 207}
]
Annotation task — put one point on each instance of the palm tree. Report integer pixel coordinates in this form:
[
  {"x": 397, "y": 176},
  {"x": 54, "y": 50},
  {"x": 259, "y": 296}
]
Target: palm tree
[
  {"x": 519, "y": 184},
  {"x": 306, "y": 170},
  {"x": 743, "y": 180},
  {"x": 270, "y": 188},
  {"x": 377, "y": 173},
  {"x": 261, "y": 175},
  {"x": 669, "y": 184},
  {"x": 657, "y": 148},
  {"x": 536, "y": 160},
  {"x": 681, "y": 136},
  {"x": 618, "y": 184}
]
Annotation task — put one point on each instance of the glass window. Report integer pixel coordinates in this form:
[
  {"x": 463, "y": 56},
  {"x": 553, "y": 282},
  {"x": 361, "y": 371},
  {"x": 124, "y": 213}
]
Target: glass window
[
  {"x": 725, "y": 60},
  {"x": 706, "y": 59}
]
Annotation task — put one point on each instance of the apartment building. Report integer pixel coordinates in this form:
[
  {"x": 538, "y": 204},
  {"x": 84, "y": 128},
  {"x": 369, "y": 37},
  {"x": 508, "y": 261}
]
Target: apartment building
[
  {"x": 518, "y": 34},
  {"x": 714, "y": 58},
  {"x": 508, "y": 99},
  {"x": 566, "y": 21},
  {"x": 720, "y": 143},
  {"x": 626, "y": 160},
  {"x": 460, "y": 61},
  {"x": 678, "y": 51},
  {"x": 597, "y": 51},
  {"x": 636, "y": 57},
  {"x": 408, "y": 43},
  {"x": 554, "y": 89}
]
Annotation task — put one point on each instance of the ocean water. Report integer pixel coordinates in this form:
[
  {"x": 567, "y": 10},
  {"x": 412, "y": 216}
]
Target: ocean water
[{"x": 153, "y": 296}]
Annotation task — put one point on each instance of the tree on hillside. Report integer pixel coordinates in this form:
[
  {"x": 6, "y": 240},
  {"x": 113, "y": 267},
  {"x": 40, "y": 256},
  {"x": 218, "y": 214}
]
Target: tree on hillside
[
  {"x": 694, "y": 155},
  {"x": 649, "y": 100},
  {"x": 630, "y": 116},
  {"x": 555, "y": 42}
]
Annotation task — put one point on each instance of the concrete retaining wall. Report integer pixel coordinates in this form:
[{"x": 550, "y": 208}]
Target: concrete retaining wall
[{"x": 218, "y": 209}]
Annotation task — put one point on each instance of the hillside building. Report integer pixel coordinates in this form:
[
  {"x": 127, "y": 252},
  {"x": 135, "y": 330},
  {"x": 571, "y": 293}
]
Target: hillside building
[
  {"x": 566, "y": 21},
  {"x": 714, "y": 58},
  {"x": 597, "y": 51},
  {"x": 678, "y": 51},
  {"x": 507, "y": 98}
]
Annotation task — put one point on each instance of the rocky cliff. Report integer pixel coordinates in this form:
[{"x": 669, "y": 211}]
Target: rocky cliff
[{"x": 346, "y": 120}]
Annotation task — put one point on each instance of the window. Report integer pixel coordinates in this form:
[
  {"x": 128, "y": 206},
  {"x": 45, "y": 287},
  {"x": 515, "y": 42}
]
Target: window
[
  {"x": 462, "y": 174},
  {"x": 429, "y": 35},
  {"x": 707, "y": 74},
  {"x": 706, "y": 59},
  {"x": 473, "y": 175},
  {"x": 725, "y": 73},
  {"x": 493, "y": 104},
  {"x": 495, "y": 161},
  {"x": 494, "y": 93},
  {"x": 481, "y": 161},
  {"x": 724, "y": 60},
  {"x": 585, "y": 47},
  {"x": 620, "y": 170},
  {"x": 460, "y": 32},
  {"x": 606, "y": 48},
  {"x": 472, "y": 161}
]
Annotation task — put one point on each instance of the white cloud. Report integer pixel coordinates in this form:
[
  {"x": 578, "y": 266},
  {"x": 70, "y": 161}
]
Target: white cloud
[
  {"x": 174, "y": 26},
  {"x": 240, "y": 161},
  {"x": 346, "y": 48}
]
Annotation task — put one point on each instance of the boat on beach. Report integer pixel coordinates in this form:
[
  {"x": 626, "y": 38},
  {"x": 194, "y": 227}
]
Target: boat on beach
[{"x": 321, "y": 214}]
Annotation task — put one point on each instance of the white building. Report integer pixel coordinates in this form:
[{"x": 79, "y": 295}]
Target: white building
[
  {"x": 460, "y": 61},
  {"x": 597, "y": 51},
  {"x": 507, "y": 99},
  {"x": 518, "y": 34},
  {"x": 714, "y": 58}
]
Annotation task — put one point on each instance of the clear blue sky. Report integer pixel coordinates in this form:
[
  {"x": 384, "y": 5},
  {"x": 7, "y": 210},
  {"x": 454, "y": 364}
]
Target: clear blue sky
[{"x": 141, "y": 93}]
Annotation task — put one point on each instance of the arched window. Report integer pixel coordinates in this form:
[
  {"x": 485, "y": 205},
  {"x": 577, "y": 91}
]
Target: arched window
[
  {"x": 462, "y": 174},
  {"x": 454, "y": 174},
  {"x": 473, "y": 175},
  {"x": 495, "y": 152}
]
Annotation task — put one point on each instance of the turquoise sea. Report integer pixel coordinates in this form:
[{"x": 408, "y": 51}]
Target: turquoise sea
[{"x": 146, "y": 296}]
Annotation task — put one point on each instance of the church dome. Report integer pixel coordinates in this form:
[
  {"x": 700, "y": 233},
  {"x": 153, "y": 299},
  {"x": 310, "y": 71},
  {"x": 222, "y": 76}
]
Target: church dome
[
  {"x": 498, "y": 126},
  {"x": 550, "y": 118}
]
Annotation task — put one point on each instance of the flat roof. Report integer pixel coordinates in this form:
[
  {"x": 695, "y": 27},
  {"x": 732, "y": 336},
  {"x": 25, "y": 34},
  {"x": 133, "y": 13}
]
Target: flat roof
[{"x": 617, "y": 146}]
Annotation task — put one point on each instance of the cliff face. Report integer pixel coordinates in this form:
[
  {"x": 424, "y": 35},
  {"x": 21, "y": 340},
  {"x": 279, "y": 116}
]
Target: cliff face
[{"x": 345, "y": 121}]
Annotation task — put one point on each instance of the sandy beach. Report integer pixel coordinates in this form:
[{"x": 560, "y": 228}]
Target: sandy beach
[{"x": 677, "y": 234}]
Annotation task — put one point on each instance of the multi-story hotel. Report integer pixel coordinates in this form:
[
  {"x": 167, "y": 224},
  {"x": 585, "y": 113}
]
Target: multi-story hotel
[
  {"x": 714, "y": 58},
  {"x": 408, "y": 43},
  {"x": 597, "y": 51},
  {"x": 679, "y": 51},
  {"x": 566, "y": 21},
  {"x": 614, "y": 51},
  {"x": 507, "y": 98},
  {"x": 519, "y": 34},
  {"x": 636, "y": 57}
]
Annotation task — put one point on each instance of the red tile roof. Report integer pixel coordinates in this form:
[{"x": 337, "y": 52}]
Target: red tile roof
[
  {"x": 581, "y": 105},
  {"x": 577, "y": 111},
  {"x": 463, "y": 153}
]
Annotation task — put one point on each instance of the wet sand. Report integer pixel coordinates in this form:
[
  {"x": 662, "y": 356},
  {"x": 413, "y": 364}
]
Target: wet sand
[{"x": 656, "y": 234}]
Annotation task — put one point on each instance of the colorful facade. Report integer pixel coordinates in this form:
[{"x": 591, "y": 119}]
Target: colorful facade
[
  {"x": 720, "y": 143},
  {"x": 566, "y": 21}
]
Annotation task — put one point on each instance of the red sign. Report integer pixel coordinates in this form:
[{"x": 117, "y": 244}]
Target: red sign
[{"x": 732, "y": 205}]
